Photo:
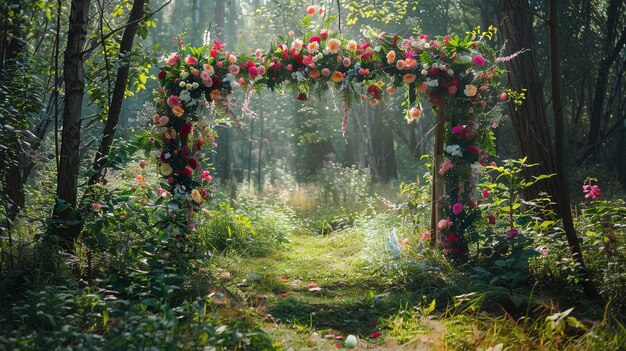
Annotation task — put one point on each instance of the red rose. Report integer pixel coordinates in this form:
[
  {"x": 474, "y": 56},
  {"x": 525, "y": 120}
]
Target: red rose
[
  {"x": 185, "y": 129},
  {"x": 187, "y": 171},
  {"x": 161, "y": 75},
  {"x": 216, "y": 82},
  {"x": 472, "y": 150}
]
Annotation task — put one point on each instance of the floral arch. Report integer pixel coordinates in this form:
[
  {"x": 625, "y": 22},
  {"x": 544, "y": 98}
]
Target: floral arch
[{"x": 455, "y": 76}]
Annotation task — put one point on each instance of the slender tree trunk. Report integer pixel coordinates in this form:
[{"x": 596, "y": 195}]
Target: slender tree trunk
[
  {"x": 530, "y": 125},
  {"x": 382, "y": 147},
  {"x": 223, "y": 149},
  {"x": 67, "y": 182},
  {"x": 564, "y": 200},
  {"x": 119, "y": 90},
  {"x": 259, "y": 175},
  {"x": 11, "y": 47},
  {"x": 611, "y": 52}
]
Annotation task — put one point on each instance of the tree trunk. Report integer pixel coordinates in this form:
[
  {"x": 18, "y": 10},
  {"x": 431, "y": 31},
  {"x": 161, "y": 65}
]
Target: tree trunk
[
  {"x": 611, "y": 52},
  {"x": 11, "y": 46},
  {"x": 119, "y": 89},
  {"x": 383, "y": 147},
  {"x": 530, "y": 125},
  {"x": 564, "y": 200},
  {"x": 67, "y": 182},
  {"x": 223, "y": 150}
]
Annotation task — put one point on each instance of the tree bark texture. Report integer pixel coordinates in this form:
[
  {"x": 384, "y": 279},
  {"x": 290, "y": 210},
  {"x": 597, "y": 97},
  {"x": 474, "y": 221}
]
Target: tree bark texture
[
  {"x": 532, "y": 135},
  {"x": 11, "y": 47},
  {"x": 74, "y": 77},
  {"x": 383, "y": 147},
  {"x": 117, "y": 98},
  {"x": 564, "y": 200},
  {"x": 611, "y": 51}
]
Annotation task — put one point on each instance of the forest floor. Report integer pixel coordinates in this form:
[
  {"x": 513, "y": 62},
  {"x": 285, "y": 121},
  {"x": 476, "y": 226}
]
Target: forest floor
[{"x": 318, "y": 289}]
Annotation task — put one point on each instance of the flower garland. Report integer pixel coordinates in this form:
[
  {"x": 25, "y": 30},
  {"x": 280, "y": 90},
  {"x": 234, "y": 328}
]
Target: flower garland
[{"x": 457, "y": 77}]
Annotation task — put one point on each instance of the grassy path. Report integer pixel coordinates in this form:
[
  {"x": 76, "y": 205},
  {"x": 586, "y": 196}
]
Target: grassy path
[{"x": 317, "y": 287}]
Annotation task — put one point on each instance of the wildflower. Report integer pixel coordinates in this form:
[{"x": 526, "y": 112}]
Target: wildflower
[
  {"x": 311, "y": 10},
  {"x": 139, "y": 178},
  {"x": 503, "y": 96},
  {"x": 346, "y": 62},
  {"x": 591, "y": 191},
  {"x": 375, "y": 334},
  {"x": 486, "y": 192},
  {"x": 324, "y": 32},
  {"x": 512, "y": 233}
]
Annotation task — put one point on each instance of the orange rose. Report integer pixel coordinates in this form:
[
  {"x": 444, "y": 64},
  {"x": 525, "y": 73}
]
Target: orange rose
[
  {"x": 215, "y": 94},
  {"x": 177, "y": 111},
  {"x": 314, "y": 73},
  {"x": 337, "y": 77}
]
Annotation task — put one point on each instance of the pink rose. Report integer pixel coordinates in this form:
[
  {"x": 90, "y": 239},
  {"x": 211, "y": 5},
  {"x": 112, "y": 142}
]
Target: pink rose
[
  {"x": 191, "y": 61},
  {"x": 457, "y": 208},
  {"x": 478, "y": 60}
]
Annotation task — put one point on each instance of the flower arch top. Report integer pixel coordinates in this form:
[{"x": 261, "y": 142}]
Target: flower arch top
[{"x": 457, "y": 76}]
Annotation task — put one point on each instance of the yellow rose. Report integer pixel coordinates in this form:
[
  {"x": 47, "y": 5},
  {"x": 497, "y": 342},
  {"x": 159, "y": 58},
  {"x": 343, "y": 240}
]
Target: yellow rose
[{"x": 165, "y": 169}]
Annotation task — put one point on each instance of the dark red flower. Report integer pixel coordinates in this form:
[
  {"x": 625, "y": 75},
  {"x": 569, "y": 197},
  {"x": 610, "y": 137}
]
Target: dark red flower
[
  {"x": 216, "y": 82},
  {"x": 472, "y": 150},
  {"x": 166, "y": 156},
  {"x": 315, "y": 38},
  {"x": 491, "y": 219},
  {"x": 193, "y": 163},
  {"x": 187, "y": 171},
  {"x": 185, "y": 129},
  {"x": 161, "y": 75},
  {"x": 301, "y": 97}
]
